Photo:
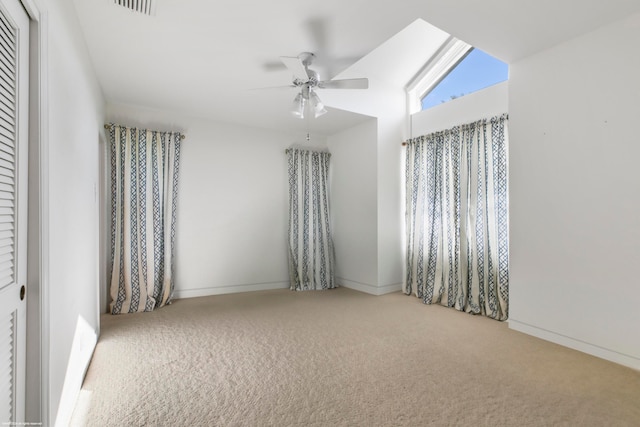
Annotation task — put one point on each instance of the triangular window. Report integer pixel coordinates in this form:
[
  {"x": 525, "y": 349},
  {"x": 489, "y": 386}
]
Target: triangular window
[{"x": 474, "y": 71}]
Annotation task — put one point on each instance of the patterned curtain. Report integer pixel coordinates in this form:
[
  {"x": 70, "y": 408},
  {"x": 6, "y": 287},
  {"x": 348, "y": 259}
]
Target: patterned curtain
[
  {"x": 144, "y": 180},
  {"x": 311, "y": 257},
  {"x": 457, "y": 218}
]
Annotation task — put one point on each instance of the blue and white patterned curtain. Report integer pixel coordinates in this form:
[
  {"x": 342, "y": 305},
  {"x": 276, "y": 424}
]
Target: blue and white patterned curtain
[
  {"x": 311, "y": 256},
  {"x": 457, "y": 218},
  {"x": 144, "y": 181}
]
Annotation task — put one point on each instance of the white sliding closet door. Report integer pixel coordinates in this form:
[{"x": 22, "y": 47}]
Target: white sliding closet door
[{"x": 14, "y": 80}]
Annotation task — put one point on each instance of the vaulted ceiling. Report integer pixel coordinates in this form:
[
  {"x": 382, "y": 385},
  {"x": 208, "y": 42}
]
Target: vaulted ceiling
[{"x": 204, "y": 58}]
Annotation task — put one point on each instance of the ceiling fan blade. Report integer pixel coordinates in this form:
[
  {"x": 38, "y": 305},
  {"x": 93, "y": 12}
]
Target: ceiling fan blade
[
  {"x": 317, "y": 29},
  {"x": 273, "y": 66},
  {"x": 274, "y": 87},
  {"x": 294, "y": 64},
  {"x": 362, "y": 83}
]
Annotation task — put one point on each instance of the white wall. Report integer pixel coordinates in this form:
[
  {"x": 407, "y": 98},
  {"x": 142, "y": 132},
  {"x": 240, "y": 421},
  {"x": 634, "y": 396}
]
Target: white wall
[
  {"x": 354, "y": 205},
  {"x": 387, "y": 103},
  {"x": 575, "y": 193},
  {"x": 76, "y": 117},
  {"x": 231, "y": 230},
  {"x": 485, "y": 103},
  {"x": 392, "y": 130}
]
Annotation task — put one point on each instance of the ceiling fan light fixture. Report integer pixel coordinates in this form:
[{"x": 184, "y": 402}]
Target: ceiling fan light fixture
[
  {"x": 297, "y": 108},
  {"x": 316, "y": 103}
]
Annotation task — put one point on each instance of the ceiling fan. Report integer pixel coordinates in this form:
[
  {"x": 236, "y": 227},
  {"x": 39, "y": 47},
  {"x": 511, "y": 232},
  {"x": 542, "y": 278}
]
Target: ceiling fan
[{"x": 307, "y": 81}]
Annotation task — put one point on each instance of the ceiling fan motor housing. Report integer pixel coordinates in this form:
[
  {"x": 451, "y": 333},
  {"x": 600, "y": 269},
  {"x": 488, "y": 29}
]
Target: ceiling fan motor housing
[{"x": 312, "y": 81}]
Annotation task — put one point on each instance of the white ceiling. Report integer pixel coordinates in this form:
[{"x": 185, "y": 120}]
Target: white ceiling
[{"x": 203, "y": 57}]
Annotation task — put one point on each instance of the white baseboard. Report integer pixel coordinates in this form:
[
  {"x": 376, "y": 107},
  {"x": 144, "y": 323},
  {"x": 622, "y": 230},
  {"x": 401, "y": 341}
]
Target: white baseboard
[
  {"x": 367, "y": 288},
  {"x": 79, "y": 418},
  {"x": 230, "y": 289},
  {"x": 82, "y": 347},
  {"x": 387, "y": 289},
  {"x": 585, "y": 347}
]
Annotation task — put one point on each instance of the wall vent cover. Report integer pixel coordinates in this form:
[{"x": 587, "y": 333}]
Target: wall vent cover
[{"x": 146, "y": 7}]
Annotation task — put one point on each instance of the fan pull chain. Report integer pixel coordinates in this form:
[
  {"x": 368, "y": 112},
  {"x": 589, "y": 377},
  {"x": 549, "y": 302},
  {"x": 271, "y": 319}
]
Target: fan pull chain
[{"x": 308, "y": 122}]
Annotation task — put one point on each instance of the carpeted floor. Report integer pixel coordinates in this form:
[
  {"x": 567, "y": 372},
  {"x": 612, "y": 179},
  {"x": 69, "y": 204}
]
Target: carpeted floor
[{"x": 341, "y": 358}]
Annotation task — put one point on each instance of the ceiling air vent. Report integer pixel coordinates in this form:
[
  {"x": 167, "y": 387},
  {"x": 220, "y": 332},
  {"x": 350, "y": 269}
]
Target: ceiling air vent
[{"x": 147, "y": 7}]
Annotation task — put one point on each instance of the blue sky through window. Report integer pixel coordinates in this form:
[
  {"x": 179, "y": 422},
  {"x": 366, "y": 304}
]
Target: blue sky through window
[{"x": 476, "y": 71}]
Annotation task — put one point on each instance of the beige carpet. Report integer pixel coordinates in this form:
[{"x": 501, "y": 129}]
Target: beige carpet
[{"x": 341, "y": 358}]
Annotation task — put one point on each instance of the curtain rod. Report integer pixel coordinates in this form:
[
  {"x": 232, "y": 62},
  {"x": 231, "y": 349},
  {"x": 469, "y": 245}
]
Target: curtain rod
[
  {"x": 503, "y": 116},
  {"x": 108, "y": 126}
]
